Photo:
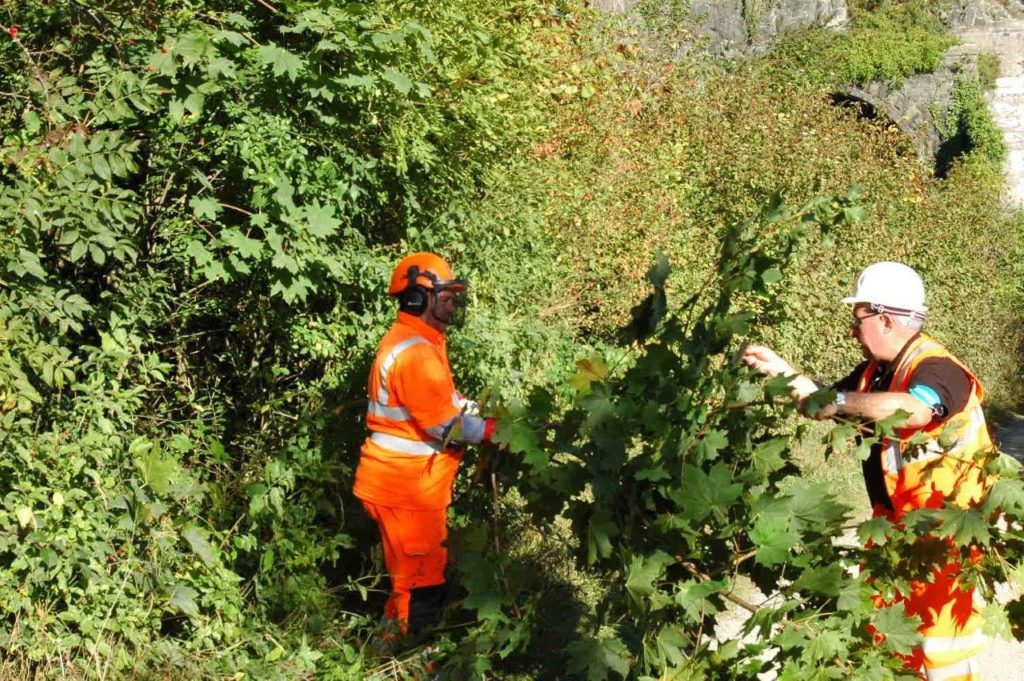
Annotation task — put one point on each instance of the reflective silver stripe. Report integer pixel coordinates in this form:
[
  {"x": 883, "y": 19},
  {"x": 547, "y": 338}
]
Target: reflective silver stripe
[
  {"x": 907, "y": 361},
  {"x": 892, "y": 461},
  {"x": 962, "y": 668},
  {"x": 972, "y": 430},
  {"x": 938, "y": 644},
  {"x": 386, "y": 412},
  {"x": 389, "y": 361},
  {"x": 401, "y": 444}
]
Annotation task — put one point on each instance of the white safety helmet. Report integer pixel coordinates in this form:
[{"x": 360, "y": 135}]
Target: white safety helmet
[{"x": 890, "y": 287}]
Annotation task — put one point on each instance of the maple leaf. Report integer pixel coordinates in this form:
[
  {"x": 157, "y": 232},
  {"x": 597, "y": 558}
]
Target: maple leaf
[
  {"x": 899, "y": 630},
  {"x": 590, "y": 370}
]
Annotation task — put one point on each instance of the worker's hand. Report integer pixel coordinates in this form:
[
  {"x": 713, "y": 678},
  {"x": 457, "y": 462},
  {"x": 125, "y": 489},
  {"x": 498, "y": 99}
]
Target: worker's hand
[
  {"x": 817, "y": 406},
  {"x": 489, "y": 424},
  {"x": 763, "y": 359}
]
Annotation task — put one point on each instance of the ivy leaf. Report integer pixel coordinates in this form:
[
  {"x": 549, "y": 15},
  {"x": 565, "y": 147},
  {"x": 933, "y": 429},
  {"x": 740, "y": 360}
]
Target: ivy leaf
[
  {"x": 899, "y": 630},
  {"x": 596, "y": 657}
]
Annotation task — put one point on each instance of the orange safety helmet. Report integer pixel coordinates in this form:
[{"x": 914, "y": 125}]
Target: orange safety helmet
[{"x": 426, "y": 270}]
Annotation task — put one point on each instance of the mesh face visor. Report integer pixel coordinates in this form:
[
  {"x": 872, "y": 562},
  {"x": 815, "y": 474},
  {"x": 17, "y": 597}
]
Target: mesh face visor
[{"x": 461, "y": 301}]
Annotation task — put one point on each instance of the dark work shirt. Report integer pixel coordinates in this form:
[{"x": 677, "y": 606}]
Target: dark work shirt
[{"x": 946, "y": 380}]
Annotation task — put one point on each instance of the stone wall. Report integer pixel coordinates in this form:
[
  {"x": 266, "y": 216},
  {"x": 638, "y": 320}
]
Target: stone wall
[
  {"x": 912, "y": 105},
  {"x": 973, "y": 13},
  {"x": 738, "y": 26}
]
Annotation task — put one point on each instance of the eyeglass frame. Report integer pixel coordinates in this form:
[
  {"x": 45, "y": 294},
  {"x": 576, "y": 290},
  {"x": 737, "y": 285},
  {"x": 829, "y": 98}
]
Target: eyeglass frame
[{"x": 857, "y": 321}]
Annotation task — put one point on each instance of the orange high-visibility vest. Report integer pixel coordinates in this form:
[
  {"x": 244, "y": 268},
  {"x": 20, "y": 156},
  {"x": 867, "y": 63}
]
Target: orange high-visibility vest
[
  {"x": 411, "y": 390},
  {"x": 924, "y": 476},
  {"x": 914, "y": 475}
]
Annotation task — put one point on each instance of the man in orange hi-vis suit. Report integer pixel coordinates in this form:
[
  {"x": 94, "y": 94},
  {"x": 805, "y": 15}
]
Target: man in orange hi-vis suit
[
  {"x": 408, "y": 464},
  {"x": 909, "y": 371}
]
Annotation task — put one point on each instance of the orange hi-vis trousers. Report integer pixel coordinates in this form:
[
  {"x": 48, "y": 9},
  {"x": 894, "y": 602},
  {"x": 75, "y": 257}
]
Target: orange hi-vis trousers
[
  {"x": 414, "y": 553},
  {"x": 951, "y": 627}
]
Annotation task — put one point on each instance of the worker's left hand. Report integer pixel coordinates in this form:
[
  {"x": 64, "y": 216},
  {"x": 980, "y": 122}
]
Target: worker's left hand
[{"x": 766, "y": 361}]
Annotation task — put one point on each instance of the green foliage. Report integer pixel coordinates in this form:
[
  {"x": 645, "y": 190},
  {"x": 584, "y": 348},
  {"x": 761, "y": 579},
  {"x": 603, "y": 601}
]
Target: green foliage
[
  {"x": 201, "y": 202},
  {"x": 988, "y": 71},
  {"x": 969, "y": 125},
  {"x": 677, "y": 482},
  {"x": 886, "y": 42}
]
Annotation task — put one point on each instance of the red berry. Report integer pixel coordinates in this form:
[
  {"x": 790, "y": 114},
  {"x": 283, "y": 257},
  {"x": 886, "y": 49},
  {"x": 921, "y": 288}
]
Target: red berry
[{"x": 13, "y": 32}]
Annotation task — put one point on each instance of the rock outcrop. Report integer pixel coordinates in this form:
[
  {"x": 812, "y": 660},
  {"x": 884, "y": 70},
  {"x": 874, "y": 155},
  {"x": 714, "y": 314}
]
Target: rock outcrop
[
  {"x": 966, "y": 14},
  {"x": 739, "y": 26}
]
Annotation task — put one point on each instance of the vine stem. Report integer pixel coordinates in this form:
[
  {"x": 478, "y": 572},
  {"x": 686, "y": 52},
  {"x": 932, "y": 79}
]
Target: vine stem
[{"x": 692, "y": 569}]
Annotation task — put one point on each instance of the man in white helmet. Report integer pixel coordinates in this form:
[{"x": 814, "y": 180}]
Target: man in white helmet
[{"x": 905, "y": 370}]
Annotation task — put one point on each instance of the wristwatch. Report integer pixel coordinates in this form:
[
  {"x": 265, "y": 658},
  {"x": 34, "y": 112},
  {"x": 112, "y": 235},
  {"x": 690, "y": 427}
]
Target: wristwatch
[{"x": 841, "y": 401}]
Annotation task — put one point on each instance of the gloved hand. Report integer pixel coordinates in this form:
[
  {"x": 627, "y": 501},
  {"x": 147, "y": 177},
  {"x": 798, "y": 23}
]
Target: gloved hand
[{"x": 489, "y": 424}]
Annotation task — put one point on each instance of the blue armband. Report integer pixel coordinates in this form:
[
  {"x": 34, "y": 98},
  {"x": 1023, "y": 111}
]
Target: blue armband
[{"x": 928, "y": 396}]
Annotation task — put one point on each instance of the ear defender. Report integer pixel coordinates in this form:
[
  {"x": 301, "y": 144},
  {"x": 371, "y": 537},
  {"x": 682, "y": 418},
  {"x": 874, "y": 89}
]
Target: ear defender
[{"x": 415, "y": 298}]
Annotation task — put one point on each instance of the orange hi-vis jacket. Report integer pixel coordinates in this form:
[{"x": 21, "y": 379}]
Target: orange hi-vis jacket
[
  {"x": 924, "y": 476},
  {"x": 411, "y": 390}
]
